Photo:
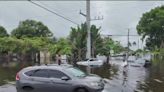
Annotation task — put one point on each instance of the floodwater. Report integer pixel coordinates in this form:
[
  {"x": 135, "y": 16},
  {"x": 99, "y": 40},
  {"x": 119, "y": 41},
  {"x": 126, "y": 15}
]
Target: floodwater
[{"x": 136, "y": 79}]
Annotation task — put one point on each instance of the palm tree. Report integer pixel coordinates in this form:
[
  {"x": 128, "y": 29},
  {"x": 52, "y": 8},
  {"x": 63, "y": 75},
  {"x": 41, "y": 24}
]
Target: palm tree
[
  {"x": 96, "y": 40},
  {"x": 78, "y": 41}
]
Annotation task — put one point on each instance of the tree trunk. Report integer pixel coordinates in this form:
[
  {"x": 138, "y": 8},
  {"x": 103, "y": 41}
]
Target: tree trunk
[
  {"x": 7, "y": 58},
  {"x": 107, "y": 60},
  {"x": 92, "y": 50},
  {"x": 23, "y": 57},
  {"x": 79, "y": 55},
  {"x": 74, "y": 59},
  {"x": 162, "y": 44}
]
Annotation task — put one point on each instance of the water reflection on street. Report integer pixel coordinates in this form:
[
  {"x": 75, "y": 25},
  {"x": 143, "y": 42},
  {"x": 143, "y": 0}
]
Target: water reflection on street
[
  {"x": 137, "y": 79},
  {"x": 125, "y": 82}
]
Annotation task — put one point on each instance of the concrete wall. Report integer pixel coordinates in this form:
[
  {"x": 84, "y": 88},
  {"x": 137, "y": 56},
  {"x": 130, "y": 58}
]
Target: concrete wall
[{"x": 44, "y": 57}]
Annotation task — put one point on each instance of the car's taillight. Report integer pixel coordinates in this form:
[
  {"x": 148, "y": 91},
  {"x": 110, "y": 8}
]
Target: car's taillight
[{"x": 17, "y": 77}]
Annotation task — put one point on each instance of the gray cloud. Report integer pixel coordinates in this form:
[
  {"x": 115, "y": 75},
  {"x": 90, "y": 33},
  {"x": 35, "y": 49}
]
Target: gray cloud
[{"x": 118, "y": 15}]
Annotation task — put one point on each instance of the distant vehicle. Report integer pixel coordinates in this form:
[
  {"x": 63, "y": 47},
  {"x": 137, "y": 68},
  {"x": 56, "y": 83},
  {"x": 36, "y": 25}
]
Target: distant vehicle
[
  {"x": 55, "y": 78},
  {"x": 138, "y": 63},
  {"x": 91, "y": 62},
  {"x": 141, "y": 62},
  {"x": 131, "y": 59},
  {"x": 147, "y": 63}
]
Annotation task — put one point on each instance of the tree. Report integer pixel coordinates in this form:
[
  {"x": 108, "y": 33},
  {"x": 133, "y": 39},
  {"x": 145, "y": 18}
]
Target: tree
[
  {"x": 151, "y": 28},
  {"x": 109, "y": 45},
  {"x": 78, "y": 42},
  {"x": 31, "y": 28},
  {"x": 12, "y": 44},
  {"x": 25, "y": 48},
  {"x": 9, "y": 45},
  {"x": 62, "y": 46},
  {"x": 53, "y": 40},
  {"x": 3, "y": 32},
  {"x": 117, "y": 47},
  {"x": 96, "y": 40},
  {"x": 105, "y": 50}
]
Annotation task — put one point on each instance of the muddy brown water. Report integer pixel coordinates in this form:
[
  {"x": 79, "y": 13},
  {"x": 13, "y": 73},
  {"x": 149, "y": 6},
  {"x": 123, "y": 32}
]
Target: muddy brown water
[{"x": 137, "y": 79}]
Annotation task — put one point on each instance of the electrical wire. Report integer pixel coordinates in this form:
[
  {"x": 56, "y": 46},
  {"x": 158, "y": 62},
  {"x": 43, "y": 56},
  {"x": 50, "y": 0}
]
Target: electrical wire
[{"x": 53, "y": 12}]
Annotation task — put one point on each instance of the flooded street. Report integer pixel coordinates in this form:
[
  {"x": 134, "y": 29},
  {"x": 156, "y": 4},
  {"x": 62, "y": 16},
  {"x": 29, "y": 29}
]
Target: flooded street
[
  {"x": 138, "y": 79},
  {"x": 126, "y": 83},
  {"x": 118, "y": 44}
]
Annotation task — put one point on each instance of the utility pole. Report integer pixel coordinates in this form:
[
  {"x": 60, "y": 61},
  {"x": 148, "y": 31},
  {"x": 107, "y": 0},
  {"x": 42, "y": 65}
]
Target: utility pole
[
  {"x": 88, "y": 29},
  {"x": 138, "y": 43},
  {"x": 88, "y": 55},
  {"x": 88, "y": 20},
  {"x": 128, "y": 44}
]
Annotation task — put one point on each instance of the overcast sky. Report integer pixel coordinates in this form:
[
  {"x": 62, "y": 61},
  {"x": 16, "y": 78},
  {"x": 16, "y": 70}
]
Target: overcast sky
[{"x": 118, "y": 15}]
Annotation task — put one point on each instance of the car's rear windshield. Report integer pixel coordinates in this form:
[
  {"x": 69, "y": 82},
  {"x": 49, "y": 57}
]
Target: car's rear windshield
[{"x": 76, "y": 72}]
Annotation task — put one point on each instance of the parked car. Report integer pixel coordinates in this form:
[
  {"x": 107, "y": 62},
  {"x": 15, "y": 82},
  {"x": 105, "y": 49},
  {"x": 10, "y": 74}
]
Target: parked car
[
  {"x": 57, "y": 78},
  {"x": 91, "y": 62},
  {"x": 141, "y": 62},
  {"x": 138, "y": 63},
  {"x": 147, "y": 63},
  {"x": 131, "y": 59}
]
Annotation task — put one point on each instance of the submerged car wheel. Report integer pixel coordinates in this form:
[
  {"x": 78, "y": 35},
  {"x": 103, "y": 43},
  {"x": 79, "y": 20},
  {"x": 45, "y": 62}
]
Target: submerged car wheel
[
  {"x": 27, "y": 88},
  {"x": 81, "y": 90}
]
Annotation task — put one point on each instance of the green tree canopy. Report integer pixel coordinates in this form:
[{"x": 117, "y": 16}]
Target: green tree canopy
[
  {"x": 22, "y": 45},
  {"x": 62, "y": 46},
  {"x": 10, "y": 44},
  {"x": 117, "y": 48},
  {"x": 78, "y": 41},
  {"x": 96, "y": 40},
  {"x": 151, "y": 27},
  {"x": 31, "y": 28},
  {"x": 3, "y": 32},
  {"x": 108, "y": 44}
]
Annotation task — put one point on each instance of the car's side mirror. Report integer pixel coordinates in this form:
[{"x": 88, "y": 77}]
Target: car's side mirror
[{"x": 65, "y": 78}]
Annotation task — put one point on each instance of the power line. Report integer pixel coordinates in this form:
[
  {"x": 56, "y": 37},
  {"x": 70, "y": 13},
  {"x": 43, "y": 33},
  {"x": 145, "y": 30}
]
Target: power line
[
  {"x": 120, "y": 35},
  {"x": 53, "y": 12}
]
